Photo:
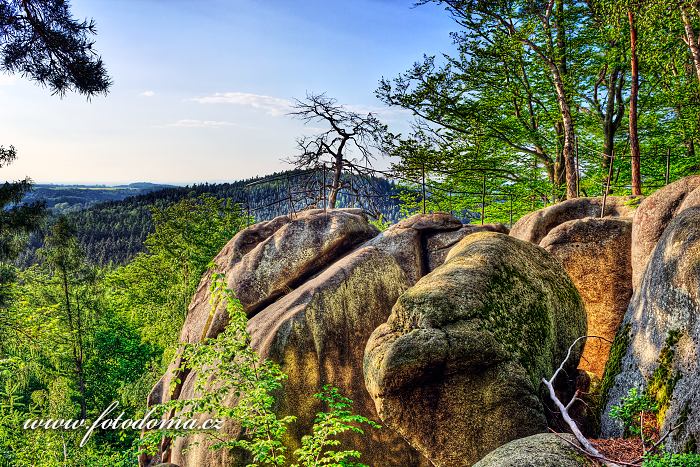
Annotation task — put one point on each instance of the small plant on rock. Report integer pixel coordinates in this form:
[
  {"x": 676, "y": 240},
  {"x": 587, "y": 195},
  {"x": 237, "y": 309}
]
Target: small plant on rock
[
  {"x": 229, "y": 368},
  {"x": 339, "y": 419},
  {"x": 631, "y": 411}
]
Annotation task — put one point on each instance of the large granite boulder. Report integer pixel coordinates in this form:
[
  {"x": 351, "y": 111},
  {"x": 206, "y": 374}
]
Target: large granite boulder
[
  {"x": 654, "y": 214},
  {"x": 533, "y": 227},
  {"x": 541, "y": 450},
  {"x": 294, "y": 252},
  {"x": 456, "y": 368},
  {"x": 422, "y": 241},
  {"x": 318, "y": 334},
  {"x": 263, "y": 262},
  {"x": 656, "y": 350},
  {"x": 317, "y": 330},
  {"x": 596, "y": 255},
  {"x": 439, "y": 244}
]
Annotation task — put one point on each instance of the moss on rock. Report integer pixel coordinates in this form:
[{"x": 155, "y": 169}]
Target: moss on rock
[
  {"x": 663, "y": 380},
  {"x": 543, "y": 450},
  {"x": 614, "y": 365},
  {"x": 457, "y": 367}
]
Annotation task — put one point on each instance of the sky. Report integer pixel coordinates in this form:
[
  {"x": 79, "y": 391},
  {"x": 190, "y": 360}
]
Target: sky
[{"x": 202, "y": 88}]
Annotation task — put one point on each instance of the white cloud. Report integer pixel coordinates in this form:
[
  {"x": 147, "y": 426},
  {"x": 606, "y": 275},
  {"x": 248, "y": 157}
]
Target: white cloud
[
  {"x": 200, "y": 124},
  {"x": 274, "y": 106},
  {"x": 148, "y": 93}
]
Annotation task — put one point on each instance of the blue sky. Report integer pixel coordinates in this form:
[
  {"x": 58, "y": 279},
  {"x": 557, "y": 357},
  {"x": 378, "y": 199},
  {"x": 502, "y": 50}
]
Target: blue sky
[{"x": 201, "y": 87}]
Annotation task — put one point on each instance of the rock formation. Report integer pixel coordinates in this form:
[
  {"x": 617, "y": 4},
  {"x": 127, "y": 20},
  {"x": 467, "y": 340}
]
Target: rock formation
[
  {"x": 456, "y": 369},
  {"x": 654, "y": 214},
  {"x": 541, "y": 450},
  {"x": 656, "y": 350},
  {"x": 315, "y": 288},
  {"x": 596, "y": 255},
  {"x": 533, "y": 227}
]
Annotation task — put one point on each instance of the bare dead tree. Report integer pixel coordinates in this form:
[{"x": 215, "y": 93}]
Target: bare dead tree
[{"x": 349, "y": 144}]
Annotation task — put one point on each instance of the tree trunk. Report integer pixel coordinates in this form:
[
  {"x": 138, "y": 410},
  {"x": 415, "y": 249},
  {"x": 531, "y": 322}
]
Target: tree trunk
[
  {"x": 335, "y": 184},
  {"x": 634, "y": 93},
  {"x": 614, "y": 111},
  {"x": 559, "y": 70},
  {"x": 691, "y": 40},
  {"x": 568, "y": 150},
  {"x": 77, "y": 346}
]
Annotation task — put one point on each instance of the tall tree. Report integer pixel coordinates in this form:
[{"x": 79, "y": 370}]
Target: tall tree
[
  {"x": 692, "y": 40},
  {"x": 15, "y": 220},
  {"x": 350, "y": 144},
  {"x": 40, "y": 40},
  {"x": 543, "y": 31},
  {"x": 511, "y": 79},
  {"x": 605, "y": 95},
  {"x": 63, "y": 255},
  {"x": 634, "y": 97}
]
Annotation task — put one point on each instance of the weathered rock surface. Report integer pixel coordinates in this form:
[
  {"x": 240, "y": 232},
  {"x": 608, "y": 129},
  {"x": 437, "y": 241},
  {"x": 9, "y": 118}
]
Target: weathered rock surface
[
  {"x": 657, "y": 347},
  {"x": 293, "y": 252},
  {"x": 596, "y": 255},
  {"x": 457, "y": 366},
  {"x": 421, "y": 242},
  {"x": 533, "y": 227},
  {"x": 318, "y": 334},
  {"x": 264, "y": 261},
  {"x": 439, "y": 244},
  {"x": 541, "y": 450},
  {"x": 318, "y": 329},
  {"x": 654, "y": 214}
]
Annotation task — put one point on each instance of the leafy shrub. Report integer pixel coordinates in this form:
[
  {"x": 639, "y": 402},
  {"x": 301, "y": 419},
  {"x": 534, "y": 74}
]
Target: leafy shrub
[
  {"x": 630, "y": 410},
  {"x": 228, "y": 365},
  {"x": 672, "y": 460},
  {"x": 339, "y": 419}
]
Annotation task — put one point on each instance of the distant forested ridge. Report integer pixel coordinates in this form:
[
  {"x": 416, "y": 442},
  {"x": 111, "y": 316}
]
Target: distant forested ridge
[
  {"x": 112, "y": 232},
  {"x": 66, "y": 198}
]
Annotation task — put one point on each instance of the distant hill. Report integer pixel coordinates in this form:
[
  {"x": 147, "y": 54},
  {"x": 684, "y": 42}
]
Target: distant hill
[
  {"x": 68, "y": 198},
  {"x": 112, "y": 231}
]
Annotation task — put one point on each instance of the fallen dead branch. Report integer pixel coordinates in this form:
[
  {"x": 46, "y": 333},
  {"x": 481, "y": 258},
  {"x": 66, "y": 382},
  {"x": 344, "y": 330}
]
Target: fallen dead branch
[{"x": 585, "y": 446}]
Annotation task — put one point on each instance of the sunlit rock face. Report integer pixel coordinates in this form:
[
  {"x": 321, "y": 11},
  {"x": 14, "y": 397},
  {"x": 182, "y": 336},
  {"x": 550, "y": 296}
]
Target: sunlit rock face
[
  {"x": 456, "y": 369},
  {"x": 596, "y": 255},
  {"x": 656, "y": 350},
  {"x": 315, "y": 287}
]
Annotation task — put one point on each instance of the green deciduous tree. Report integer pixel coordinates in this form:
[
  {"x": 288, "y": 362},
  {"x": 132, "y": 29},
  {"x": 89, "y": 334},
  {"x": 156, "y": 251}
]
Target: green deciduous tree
[{"x": 156, "y": 287}]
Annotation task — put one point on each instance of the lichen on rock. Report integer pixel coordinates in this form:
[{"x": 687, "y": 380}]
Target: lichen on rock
[
  {"x": 541, "y": 450},
  {"x": 456, "y": 369},
  {"x": 661, "y": 356}
]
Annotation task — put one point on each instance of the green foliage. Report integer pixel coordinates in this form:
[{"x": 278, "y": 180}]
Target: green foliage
[
  {"x": 16, "y": 221},
  {"x": 492, "y": 110},
  {"x": 228, "y": 367},
  {"x": 45, "y": 43},
  {"x": 155, "y": 288},
  {"x": 672, "y": 460},
  {"x": 76, "y": 337},
  {"x": 64, "y": 355},
  {"x": 381, "y": 223},
  {"x": 339, "y": 419},
  {"x": 630, "y": 410}
]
